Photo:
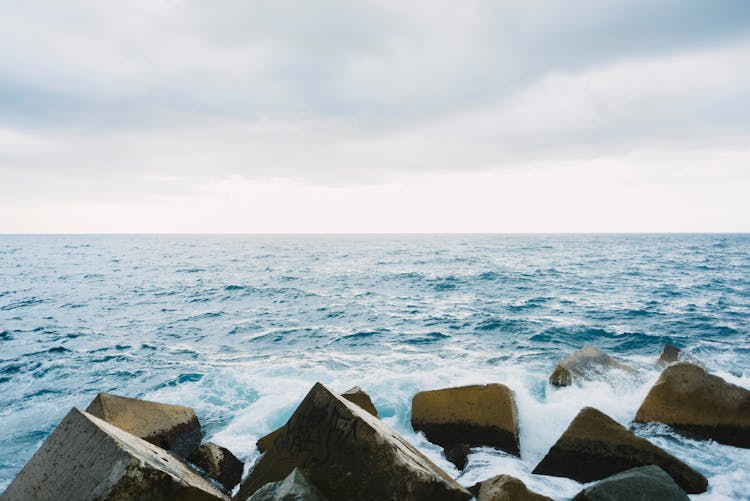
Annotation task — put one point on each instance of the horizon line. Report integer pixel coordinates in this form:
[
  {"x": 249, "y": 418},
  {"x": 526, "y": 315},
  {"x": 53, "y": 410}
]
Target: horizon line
[{"x": 378, "y": 233}]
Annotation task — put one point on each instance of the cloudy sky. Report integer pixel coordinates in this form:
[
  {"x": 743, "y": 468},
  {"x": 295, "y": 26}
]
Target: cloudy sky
[{"x": 374, "y": 116}]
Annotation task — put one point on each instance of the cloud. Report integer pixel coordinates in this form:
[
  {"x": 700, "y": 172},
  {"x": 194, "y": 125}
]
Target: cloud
[
  {"x": 374, "y": 62},
  {"x": 123, "y": 101}
]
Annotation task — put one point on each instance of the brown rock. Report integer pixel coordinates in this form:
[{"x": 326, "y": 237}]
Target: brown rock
[
  {"x": 86, "y": 458},
  {"x": 505, "y": 488},
  {"x": 219, "y": 463},
  {"x": 587, "y": 364},
  {"x": 474, "y": 415},
  {"x": 355, "y": 395},
  {"x": 595, "y": 446},
  {"x": 359, "y": 397},
  {"x": 171, "y": 427},
  {"x": 266, "y": 442},
  {"x": 693, "y": 401},
  {"x": 349, "y": 454}
]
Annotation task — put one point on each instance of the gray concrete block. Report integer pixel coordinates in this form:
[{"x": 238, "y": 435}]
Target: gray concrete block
[{"x": 86, "y": 458}]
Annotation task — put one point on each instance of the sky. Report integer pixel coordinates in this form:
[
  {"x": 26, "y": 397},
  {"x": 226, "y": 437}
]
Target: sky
[{"x": 375, "y": 116}]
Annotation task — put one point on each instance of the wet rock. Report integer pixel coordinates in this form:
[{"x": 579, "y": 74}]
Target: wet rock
[
  {"x": 359, "y": 397},
  {"x": 692, "y": 401},
  {"x": 349, "y": 454},
  {"x": 587, "y": 364},
  {"x": 505, "y": 488},
  {"x": 458, "y": 454},
  {"x": 295, "y": 487},
  {"x": 475, "y": 415},
  {"x": 595, "y": 447},
  {"x": 266, "y": 442},
  {"x": 171, "y": 427},
  {"x": 219, "y": 463},
  {"x": 355, "y": 395},
  {"x": 87, "y": 458},
  {"x": 669, "y": 354},
  {"x": 645, "y": 482}
]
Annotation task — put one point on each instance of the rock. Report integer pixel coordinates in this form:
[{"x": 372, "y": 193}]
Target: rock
[
  {"x": 219, "y": 463},
  {"x": 266, "y": 442},
  {"x": 474, "y": 415},
  {"x": 87, "y": 458},
  {"x": 645, "y": 482},
  {"x": 359, "y": 397},
  {"x": 355, "y": 395},
  {"x": 349, "y": 454},
  {"x": 171, "y": 427},
  {"x": 458, "y": 454},
  {"x": 692, "y": 401},
  {"x": 669, "y": 354},
  {"x": 505, "y": 488},
  {"x": 587, "y": 364},
  {"x": 595, "y": 446},
  {"x": 295, "y": 487}
]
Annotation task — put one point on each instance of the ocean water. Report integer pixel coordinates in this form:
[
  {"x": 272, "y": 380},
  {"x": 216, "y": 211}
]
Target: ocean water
[{"x": 240, "y": 327}]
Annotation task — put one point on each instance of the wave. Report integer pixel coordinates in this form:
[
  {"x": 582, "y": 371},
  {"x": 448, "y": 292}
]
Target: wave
[{"x": 239, "y": 328}]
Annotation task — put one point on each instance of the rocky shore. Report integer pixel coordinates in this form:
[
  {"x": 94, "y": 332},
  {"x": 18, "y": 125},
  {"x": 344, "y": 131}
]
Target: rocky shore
[{"x": 335, "y": 447}]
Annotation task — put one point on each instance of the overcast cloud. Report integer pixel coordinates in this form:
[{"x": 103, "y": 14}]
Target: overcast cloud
[{"x": 136, "y": 110}]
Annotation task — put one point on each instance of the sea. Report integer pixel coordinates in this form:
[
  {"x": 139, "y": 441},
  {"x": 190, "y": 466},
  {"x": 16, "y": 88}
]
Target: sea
[{"x": 240, "y": 327}]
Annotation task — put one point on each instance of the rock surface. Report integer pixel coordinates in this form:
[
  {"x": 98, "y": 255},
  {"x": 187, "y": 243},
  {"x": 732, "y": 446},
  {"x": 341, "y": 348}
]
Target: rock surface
[
  {"x": 355, "y": 395},
  {"x": 587, "y": 364},
  {"x": 595, "y": 446},
  {"x": 645, "y": 482},
  {"x": 87, "y": 458},
  {"x": 295, "y": 487},
  {"x": 266, "y": 442},
  {"x": 359, "y": 397},
  {"x": 693, "y": 401},
  {"x": 505, "y": 488},
  {"x": 458, "y": 454},
  {"x": 219, "y": 463},
  {"x": 349, "y": 454},
  {"x": 474, "y": 415},
  {"x": 171, "y": 427},
  {"x": 669, "y": 354}
]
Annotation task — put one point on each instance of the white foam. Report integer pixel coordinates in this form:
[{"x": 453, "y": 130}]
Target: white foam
[{"x": 256, "y": 397}]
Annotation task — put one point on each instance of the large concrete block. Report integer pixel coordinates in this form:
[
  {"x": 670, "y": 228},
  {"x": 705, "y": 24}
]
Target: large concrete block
[
  {"x": 473, "y": 415},
  {"x": 644, "y": 482},
  {"x": 219, "y": 463},
  {"x": 294, "y": 487},
  {"x": 588, "y": 364},
  {"x": 171, "y": 427},
  {"x": 596, "y": 446},
  {"x": 349, "y": 454},
  {"x": 86, "y": 458},
  {"x": 355, "y": 395},
  {"x": 505, "y": 488},
  {"x": 695, "y": 402}
]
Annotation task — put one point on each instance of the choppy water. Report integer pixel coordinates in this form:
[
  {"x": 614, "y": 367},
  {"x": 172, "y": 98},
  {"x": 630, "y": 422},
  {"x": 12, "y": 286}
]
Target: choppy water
[{"x": 240, "y": 327}]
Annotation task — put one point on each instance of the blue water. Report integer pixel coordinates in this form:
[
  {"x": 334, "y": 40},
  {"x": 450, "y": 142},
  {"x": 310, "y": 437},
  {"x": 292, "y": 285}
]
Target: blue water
[{"x": 240, "y": 327}]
